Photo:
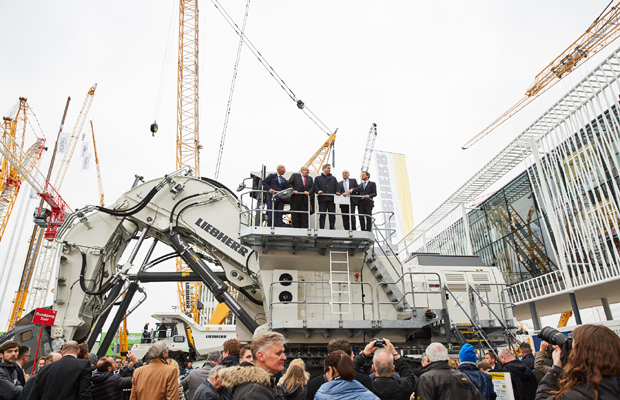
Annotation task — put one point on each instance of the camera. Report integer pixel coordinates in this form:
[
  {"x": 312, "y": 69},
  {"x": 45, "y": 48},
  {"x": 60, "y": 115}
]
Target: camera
[
  {"x": 124, "y": 353},
  {"x": 380, "y": 343},
  {"x": 557, "y": 338}
]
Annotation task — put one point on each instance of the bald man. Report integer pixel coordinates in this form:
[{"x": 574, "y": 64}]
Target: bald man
[
  {"x": 67, "y": 378},
  {"x": 274, "y": 183}
]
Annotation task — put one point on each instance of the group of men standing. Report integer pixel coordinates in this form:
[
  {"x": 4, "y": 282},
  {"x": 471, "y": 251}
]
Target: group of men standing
[{"x": 324, "y": 187}]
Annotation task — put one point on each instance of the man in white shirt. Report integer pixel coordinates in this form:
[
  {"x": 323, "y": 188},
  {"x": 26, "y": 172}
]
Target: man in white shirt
[{"x": 345, "y": 188}]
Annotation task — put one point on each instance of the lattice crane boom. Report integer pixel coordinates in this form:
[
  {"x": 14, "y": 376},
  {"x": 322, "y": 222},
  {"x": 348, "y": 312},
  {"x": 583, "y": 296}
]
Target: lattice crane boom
[
  {"x": 75, "y": 135},
  {"x": 316, "y": 161},
  {"x": 99, "y": 180},
  {"x": 370, "y": 147},
  {"x": 601, "y": 33}
]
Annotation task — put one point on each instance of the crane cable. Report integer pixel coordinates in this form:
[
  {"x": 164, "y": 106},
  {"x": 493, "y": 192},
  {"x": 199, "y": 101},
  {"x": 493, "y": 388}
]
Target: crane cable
[
  {"x": 165, "y": 63},
  {"x": 300, "y": 104},
  {"x": 232, "y": 91}
]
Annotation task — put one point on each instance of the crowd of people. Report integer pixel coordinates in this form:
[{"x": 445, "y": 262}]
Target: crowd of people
[
  {"x": 325, "y": 187},
  {"x": 257, "y": 372}
]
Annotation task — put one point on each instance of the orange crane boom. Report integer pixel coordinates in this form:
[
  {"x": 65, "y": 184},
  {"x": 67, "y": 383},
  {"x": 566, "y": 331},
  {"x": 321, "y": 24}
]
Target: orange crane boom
[
  {"x": 601, "y": 33},
  {"x": 99, "y": 181}
]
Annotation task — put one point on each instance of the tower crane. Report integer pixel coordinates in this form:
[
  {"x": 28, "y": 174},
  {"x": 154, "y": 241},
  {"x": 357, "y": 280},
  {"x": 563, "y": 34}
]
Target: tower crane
[
  {"x": 187, "y": 142},
  {"x": 604, "y": 30},
  {"x": 10, "y": 179},
  {"x": 39, "y": 265}
]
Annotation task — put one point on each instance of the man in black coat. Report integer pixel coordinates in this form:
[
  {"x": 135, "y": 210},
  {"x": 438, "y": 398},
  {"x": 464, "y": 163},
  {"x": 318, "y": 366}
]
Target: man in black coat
[
  {"x": 440, "y": 382},
  {"x": 106, "y": 384},
  {"x": 524, "y": 383},
  {"x": 528, "y": 358},
  {"x": 326, "y": 186},
  {"x": 303, "y": 187},
  {"x": 385, "y": 361},
  {"x": 315, "y": 383},
  {"x": 367, "y": 189},
  {"x": 274, "y": 183},
  {"x": 67, "y": 378},
  {"x": 345, "y": 187},
  {"x": 9, "y": 370}
]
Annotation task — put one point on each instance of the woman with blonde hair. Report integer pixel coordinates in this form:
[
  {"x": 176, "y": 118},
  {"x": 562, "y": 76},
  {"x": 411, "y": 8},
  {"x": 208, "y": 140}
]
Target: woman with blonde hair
[
  {"x": 591, "y": 371},
  {"x": 293, "y": 383}
]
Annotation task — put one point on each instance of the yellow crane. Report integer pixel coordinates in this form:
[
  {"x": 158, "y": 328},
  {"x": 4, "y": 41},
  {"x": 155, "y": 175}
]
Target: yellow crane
[
  {"x": 99, "y": 181},
  {"x": 10, "y": 178},
  {"x": 604, "y": 30},
  {"x": 187, "y": 141}
]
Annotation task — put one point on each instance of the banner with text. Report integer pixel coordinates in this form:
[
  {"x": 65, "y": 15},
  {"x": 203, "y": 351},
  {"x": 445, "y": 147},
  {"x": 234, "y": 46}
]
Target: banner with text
[{"x": 393, "y": 195}]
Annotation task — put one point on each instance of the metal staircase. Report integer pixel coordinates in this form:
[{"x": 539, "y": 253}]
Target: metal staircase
[
  {"x": 475, "y": 334},
  {"x": 393, "y": 292}
]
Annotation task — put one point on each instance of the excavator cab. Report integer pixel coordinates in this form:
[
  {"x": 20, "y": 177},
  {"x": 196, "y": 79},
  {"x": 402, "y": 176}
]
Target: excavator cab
[{"x": 41, "y": 216}]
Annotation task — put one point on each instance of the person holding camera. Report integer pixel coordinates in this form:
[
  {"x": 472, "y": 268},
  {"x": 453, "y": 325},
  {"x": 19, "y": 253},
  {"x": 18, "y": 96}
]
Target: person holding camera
[
  {"x": 585, "y": 366},
  {"x": 543, "y": 360},
  {"x": 523, "y": 379},
  {"x": 385, "y": 361}
]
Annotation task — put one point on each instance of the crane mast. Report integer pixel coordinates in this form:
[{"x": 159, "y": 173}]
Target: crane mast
[
  {"x": 99, "y": 181},
  {"x": 187, "y": 143}
]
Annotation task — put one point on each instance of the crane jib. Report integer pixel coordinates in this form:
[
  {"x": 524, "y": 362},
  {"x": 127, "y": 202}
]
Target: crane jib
[{"x": 221, "y": 236}]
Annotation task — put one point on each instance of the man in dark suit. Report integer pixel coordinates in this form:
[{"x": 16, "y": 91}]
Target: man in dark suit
[
  {"x": 367, "y": 189},
  {"x": 303, "y": 187},
  {"x": 345, "y": 187},
  {"x": 274, "y": 183},
  {"x": 67, "y": 378},
  {"x": 326, "y": 186}
]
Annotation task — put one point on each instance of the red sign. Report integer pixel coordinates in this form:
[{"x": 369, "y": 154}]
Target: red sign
[{"x": 44, "y": 316}]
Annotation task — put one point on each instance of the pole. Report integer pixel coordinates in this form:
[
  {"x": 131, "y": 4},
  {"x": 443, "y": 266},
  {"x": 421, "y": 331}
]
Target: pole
[{"x": 36, "y": 352}]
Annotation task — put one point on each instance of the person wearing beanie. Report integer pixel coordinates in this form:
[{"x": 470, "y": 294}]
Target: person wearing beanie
[{"x": 469, "y": 367}]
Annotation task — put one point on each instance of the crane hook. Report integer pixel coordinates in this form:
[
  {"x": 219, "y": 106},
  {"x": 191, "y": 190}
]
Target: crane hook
[{"x": 154, "y": 128}]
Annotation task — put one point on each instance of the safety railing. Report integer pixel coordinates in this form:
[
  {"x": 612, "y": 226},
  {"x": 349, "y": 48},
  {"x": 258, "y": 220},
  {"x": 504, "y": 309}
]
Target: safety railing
[
  {"x": 537, "y": 287},
  {"x": 505, "y": 302},
  {"x": 255, "y": 212},
  {"x": 413, "y": 292},
  {"x": 363, "y": 304}
]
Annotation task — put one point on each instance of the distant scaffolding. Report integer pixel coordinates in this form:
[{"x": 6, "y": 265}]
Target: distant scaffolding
[{"x": 572, "y": 163}]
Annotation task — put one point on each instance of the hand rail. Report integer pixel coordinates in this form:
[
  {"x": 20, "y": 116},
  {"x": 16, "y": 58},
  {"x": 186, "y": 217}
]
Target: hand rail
[
  {"x": 411, "y": 292},
  {"x": 473, "y": 323}
]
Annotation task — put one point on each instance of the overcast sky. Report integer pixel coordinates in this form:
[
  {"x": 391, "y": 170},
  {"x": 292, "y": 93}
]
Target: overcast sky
[{"x": 430, "y": 75}]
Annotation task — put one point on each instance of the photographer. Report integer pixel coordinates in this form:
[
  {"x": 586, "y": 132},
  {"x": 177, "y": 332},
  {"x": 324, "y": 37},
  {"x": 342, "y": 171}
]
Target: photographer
[
  {"x": 591, "y": 368},
  {"x": 384, "y": 362}
]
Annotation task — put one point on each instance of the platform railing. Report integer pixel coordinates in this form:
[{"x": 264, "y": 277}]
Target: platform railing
[
  {"x": 303, "y": 301},
  {"x": 537, "y": 287},
  {"x": 254, "y": 212},
  {"x": 412, "y": 292}
]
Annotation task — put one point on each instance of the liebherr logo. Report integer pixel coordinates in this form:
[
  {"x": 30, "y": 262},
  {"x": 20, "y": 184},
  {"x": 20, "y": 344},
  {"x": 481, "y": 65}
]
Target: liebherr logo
[{"x": 222, "y": 237}]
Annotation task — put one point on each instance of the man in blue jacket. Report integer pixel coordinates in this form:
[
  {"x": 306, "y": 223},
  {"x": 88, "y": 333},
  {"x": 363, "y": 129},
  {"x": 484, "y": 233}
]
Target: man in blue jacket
[
  {"x": 468, "y": 366},
  {"x": 274, "y": 183}
]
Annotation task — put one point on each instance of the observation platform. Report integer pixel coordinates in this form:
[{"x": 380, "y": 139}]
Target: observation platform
[{"x": 263, "y": 239}]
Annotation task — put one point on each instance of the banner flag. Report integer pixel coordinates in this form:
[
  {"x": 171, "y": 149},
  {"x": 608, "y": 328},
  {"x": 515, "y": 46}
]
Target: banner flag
[
  {"x": 393, "y": 195},
  {"x": 63, "y": 141}
]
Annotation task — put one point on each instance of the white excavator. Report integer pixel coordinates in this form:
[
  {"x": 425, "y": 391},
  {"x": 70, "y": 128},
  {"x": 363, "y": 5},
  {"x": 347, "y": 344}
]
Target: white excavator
[{"x": 310, "y": 284}]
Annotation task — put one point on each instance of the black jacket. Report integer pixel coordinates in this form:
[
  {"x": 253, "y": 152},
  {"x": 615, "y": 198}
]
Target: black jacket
[
  {"x": 326, "y": 184},
  {"x": 245, "y": 383},
  {"x": 10, "y": 374},
  {"x": 371, "y": 190},
  {"x": 230, "y": 361},
  {"x": 524, "y": 382},
  {"x": 607, "y": 388},
  {"x": 315, "y": 383},
  {"x": 206, "y": 391},
  {"x": 529, "y": 361},
  {"x": 67, "y": 379},
  {"x": 352, "y": 185},
  {"x": 440, "y": 382},
  {"x": 298, "y": 393},
  {"x": 390, "y": 388},
  {"x": 109, "y": 386}
]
